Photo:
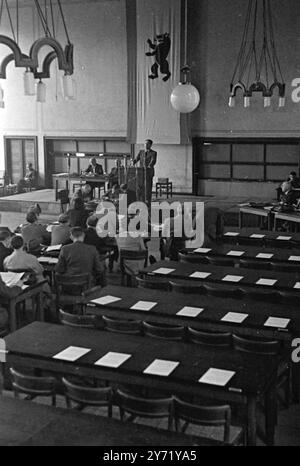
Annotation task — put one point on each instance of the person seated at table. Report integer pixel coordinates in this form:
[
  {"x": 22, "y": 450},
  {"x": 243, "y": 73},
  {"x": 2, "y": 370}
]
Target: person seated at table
[
  {"x": 173, "y": 232},
  {"x": 87, "y": 193},
  {"x": 288, "y": 194},
  {"x": 94, "y": 168},
  {"x": 60, "y": 234},
  {"x": 79, "y": 258},
  {"x": 30, "y": 175},
  {"x": 7, "y": 292},
  {"x": 113, "y": 177},
  {"x": 5, "y": 248},
  {"x": 91, "y": 236},
  {"x": 34, "y": 230},
  {"x": 126, "y": 241},
  {"x": 78, "y": 214}
]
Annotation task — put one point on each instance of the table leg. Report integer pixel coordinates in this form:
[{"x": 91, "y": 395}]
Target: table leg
[
  {"x": 251, "y": 421},
  {"x": 271, "y": 414}
]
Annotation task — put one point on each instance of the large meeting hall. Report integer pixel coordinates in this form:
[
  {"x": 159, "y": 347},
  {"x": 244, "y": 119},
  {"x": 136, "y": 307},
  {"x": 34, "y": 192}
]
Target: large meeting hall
[{"x": 149, "y": 224}]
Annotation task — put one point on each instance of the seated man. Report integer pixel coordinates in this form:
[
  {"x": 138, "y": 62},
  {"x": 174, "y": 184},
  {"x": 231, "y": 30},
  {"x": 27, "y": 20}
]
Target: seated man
[
  {"x": 5, "y": 249},
  {"x": 79, "y": 258},
  {"x": 20, "y": 259},
  {"x": 131, "y": 243},
  {"x": 288, "y": 194},
  {"x": 34, "y": 230},
  {"x": 60, "y": 234},
  {"x": 30, "y": 175},
  {"x": 94, "y": 168},
  {"x": 77, "y": 215},
  {"x": 7, "y": 292},
  {"x": 91, "y": 236},
  {"x": 87, "y": 193}
]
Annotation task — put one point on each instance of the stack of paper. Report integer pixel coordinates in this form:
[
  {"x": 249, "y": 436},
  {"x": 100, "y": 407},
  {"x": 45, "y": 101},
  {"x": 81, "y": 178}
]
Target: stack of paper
[
  {"x": 202, "y": 250},
  {"x": 56, "y": 247},
  {"x": 113, "y": 359},
  {"x": 231, "y": 233},
  {"x": 235, "y": 253},
  {"x": 143, "y": 305},
  {"x": 105, "y": 300},
  {"x": 232, "y": 278},
  {"x": 72, "y": 353},
  {"x": 254, "y": 235},
  {"x": 284, "y": 238},
  {"x": 200, "y": 274},
  {"x": 277, "y": 322},
  {"x": 215, "y": 376},
  {"x": 161, "y": 367},
  {"x": 11, "y": 278},
  {"x": 264, "y": 256},
  {"x": 236, "y": 317},
  {"x": 266, "y": 281},
  {"x": 189, "y": 311},
  {"x": 163, "y": 270}
]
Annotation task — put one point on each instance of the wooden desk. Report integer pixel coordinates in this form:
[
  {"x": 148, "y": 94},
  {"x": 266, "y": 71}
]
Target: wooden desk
[
  {"x": 282, "y": 256},
  {"x": 210, "y": 318},
  {"x": 33, "y": 292},
  {"x": 258, "y": 211},
  {"x": 284, "y": 281},
  {"x": 35, "y": 345},
  {"x": 290, "y": 217},
  {"x": 24, "y": 423},
  {"x": 235, "y": 236}
]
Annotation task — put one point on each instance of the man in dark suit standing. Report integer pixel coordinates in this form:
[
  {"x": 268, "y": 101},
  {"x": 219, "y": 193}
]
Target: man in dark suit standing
[
  {"x": 94, "y": 167},
  {"x": 79, "y": 258},
  {"x": 147, "y": 158}
]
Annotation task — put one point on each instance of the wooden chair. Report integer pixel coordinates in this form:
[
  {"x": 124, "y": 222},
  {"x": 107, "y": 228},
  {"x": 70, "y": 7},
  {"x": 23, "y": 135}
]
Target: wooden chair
[
  {"x": 260, "y": 294},
  {"x": 289, "y": 298},
  {"x": 153, "y": 283},
  {"x": 33, "y": 386},
  {"x": 185, "y": 286},
  {"x": 164, "y": 332},
  {"x": 192, "y": 258},
  {"x": 201, "y": 337},
  {"x": 209, "y": 416},
  {"x": 132, "y": 327},
  {"x": 88, "y": 396},
  {"x": 255, "y": 264},
  {"x": 223, "y": 261},
  {"x": 127, "y": 256},
  {"x": 75, "y": 320},
  {"x": 71, "y": 290},
  {"x": 222, "y": 291},
  {"x": 151, "y": 408}
]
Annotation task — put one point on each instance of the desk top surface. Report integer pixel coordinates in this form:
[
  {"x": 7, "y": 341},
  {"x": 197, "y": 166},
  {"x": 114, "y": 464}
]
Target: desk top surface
[{"x": 41, "y": 341}]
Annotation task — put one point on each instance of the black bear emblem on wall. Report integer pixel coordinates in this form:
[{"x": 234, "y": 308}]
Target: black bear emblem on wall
[{"x": 161, "y": 48}]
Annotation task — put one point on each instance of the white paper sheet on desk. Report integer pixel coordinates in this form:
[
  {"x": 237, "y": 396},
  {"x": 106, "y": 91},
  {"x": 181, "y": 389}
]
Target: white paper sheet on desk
[
  {"x": 231, "y": 233},
  {"x": 284, "y": 238},
  {"x": 106, "y": 300},
  {"x": 235, "y": 253},
  {"x": 215, "y": 376},
  {"x": 263, "y": 255},
  {"x": 24, "y": 287},
  {"x": 53, "y": 260},
  {"x": 277, "y": 322},
  {"x": 190, "y": 311},
  {"x": 56, "y": 247},
  {"x": 202, "y": 250},
  {"x": 44, "y": 260},
  {"x": 266, "y": 281},
  {"x": 232, "y": 278},
  {"x": 200, "y": 274},
  {"x": 163, "y": 270},
  {"x": 237, "y": 317},
  {"x": 294, "y": 258},
  {"x": 297, "y": 285},
  {"x": 254, "y": 235},
  {"x": 143, "y": 305},
  {"x": 72, "y": 353},
  {"x": 11, "y": 278},
  {"x": 113, "y": 359},
  {"x": 161, "y": 367}
]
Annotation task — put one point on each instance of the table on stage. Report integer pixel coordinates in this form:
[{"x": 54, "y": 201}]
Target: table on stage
[
  {"x": 64, "y": 181},
  {"x": 241, "y": 277},
  {"x": 293, "y": 218},
  {"x": 24, "y": 423},
  {"x": 257, "y": 211},
  {"x": 249, "y": 377}
]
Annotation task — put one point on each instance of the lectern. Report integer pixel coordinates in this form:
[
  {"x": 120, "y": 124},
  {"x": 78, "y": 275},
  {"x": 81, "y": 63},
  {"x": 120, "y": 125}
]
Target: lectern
[{"x": 136, "y": 182}]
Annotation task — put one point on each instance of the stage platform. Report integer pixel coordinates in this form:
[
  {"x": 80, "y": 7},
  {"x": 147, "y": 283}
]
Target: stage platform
[{"x": 21, "y": 202}]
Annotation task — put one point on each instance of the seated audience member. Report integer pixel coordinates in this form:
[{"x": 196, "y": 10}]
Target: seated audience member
[
  {"x": 87, "y": 195},
  {"x": 34, "y": 230},
  {"x": 21, "y": 185},
  {"x": 7, "y": 292},
  {"x": 5, "y": 249},
  {"x": 294, "y": 179},
  {"x": 91, "y": 235},
  {"x": 20, "y": 259},
  {"x": 173, "y": 232},
  {"x": 30, "y": 176},
  {"x": 112, "y": 194},
  {"x": 113, "y": 177},
  {"x": 77, "y": 215},
  {"x": 78, "y": 193},
  {"x": 60, "y": 234},
  {"x": 213, "y": 225},
  {"x": 36, "y": 209},
  {"x": 126, "y": 241},
  {"x": 288, "y": 194},
  {"x": 79, "y": 258}
]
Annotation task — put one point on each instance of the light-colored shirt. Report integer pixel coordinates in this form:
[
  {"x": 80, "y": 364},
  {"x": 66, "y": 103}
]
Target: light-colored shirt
[{"x": 20, "y": 259}]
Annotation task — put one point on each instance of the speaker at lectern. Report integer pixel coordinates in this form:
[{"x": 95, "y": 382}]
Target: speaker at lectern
[{"x": 136, "y": 183}]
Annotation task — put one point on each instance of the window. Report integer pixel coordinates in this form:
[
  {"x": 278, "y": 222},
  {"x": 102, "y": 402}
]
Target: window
[{"x": 19, "y": 151}]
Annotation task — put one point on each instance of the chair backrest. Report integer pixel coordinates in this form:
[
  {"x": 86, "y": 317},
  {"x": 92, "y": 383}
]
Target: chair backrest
[
  {"x": 255, "y": 346},
  {"x": 75, "y": 320},
  {"x": 289, "y": 268},
  {"x": 223, "y": 261},
  {"x": 129, "y": 255},
  {"x": 289, "y": 298},
  {"x": 93, "y": 396},
  {"x": 69, "y": 283},
  {"x": 222, "y": 291},
  {"x": 260, "y": 295},
  {"x": 192, "y": 258},
  {"x": 187, "y": 287},
  {"x": 144, "y": 407},
  {"x": 203, "y": 415},
  {"x": 164, "y": 332},
  {"x": 31, "y": 385},
  {"x": 153, "y": 283},
  {"x": 278, "y": 243},
  {"x": 112, "y": 324},
  {"x": 252, "y": 264},
  {"x": 201, "y": 337}
]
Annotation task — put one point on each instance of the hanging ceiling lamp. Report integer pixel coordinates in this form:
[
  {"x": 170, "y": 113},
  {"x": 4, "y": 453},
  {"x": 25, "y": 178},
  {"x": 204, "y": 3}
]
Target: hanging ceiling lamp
[
  {"x": 185, "y": 97},
  {"x": 30, "y": 61},
  {"x": 257, "y": 68}
]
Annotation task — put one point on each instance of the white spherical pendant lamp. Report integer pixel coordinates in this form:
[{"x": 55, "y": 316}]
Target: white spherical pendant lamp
[{"x": 185, "y": 98}]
